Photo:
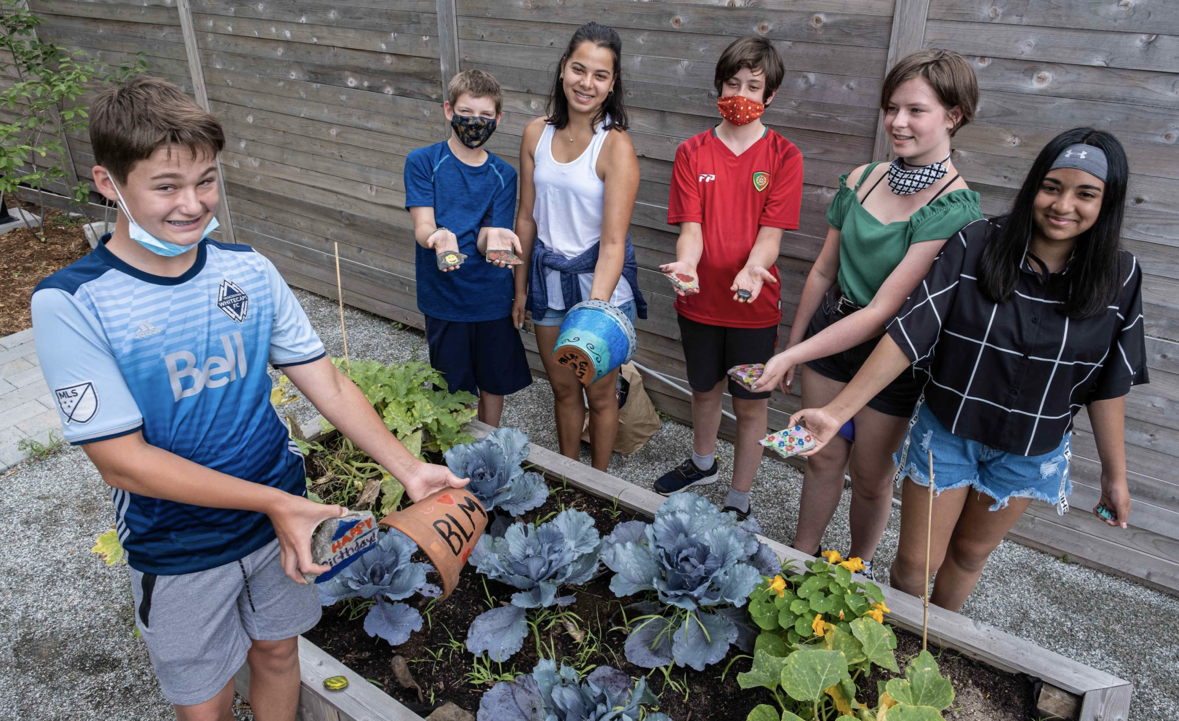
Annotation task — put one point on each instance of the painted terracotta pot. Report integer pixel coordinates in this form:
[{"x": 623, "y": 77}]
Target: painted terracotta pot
[
  {"x": 446, "y": 526},
  {"x": 596, "y": 338}
]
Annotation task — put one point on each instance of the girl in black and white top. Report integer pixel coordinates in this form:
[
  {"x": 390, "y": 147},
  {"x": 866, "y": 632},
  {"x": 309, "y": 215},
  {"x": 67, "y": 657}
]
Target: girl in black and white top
[{"x": 1021, "y": 321}]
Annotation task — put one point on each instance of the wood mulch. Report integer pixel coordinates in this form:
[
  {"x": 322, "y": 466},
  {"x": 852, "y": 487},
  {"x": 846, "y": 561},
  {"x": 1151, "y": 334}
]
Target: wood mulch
[
  {"x": 25, "y": 260},
  {"x": 442, "y": 667}
]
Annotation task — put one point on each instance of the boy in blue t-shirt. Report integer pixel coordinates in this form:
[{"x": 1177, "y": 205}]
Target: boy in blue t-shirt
[
  {"x": 155, "y": 347},
  {"x": 462, "y": 198}
]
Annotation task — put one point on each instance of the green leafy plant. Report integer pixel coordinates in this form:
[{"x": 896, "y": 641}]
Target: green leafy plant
[
  {"x": 821, "y": 631},
  {"x": 403, "y": 394},
  {"x": 49, "y": 82}
]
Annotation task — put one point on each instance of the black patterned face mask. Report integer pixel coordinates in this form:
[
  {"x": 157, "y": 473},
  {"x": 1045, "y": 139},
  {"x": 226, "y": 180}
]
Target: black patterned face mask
[
  {"x": 471, "y": 130},
  {"x": 905, "y": 179}
]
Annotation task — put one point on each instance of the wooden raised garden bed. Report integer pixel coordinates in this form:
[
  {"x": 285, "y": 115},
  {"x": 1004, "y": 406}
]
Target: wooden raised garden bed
[{"x": 1069, "y": 688}]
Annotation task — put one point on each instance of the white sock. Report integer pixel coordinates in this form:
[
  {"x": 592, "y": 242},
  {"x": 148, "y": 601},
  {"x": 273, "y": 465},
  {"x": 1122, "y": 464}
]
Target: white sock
[
  {"x": 703, "y": 462},
  {"x": 738, "y": 500}
]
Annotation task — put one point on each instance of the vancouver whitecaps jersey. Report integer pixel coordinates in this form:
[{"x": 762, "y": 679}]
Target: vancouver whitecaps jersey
[{"x": 184, "y": 361}]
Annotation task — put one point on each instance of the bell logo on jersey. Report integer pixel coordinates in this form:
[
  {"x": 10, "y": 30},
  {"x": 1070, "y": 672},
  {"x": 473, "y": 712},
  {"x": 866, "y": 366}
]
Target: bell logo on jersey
[
  {"x": 78, "y": 403},
  {"x": 216, "y": 371},
  {"x": 233, "y": 300}
]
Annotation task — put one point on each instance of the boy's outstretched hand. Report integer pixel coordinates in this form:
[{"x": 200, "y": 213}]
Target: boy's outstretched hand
[
  {"x": 427, "y": 478},
  {"x": 441, "y": 241},
  {"x": 750, "y": 279},
  {"x": 686, "y": 269},
  {"x": 501, "y": 239},
  {"x": 294, "y": 519},
  {"x": 820, "y": 422}
]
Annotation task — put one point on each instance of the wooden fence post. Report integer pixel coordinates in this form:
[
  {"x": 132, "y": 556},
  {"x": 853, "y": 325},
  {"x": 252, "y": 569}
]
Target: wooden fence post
[
  {"x": 197, "y": 72},
  {"x": 448, "y": 53},
  {"x": 908, "y": 36}
]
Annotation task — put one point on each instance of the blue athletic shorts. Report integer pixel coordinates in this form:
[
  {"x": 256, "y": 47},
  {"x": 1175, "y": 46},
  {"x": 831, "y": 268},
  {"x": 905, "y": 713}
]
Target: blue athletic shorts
[
  {"x": 960, "y": 462},
  {"x": 554, "y": 317},
  {"x": 486, "y": 355}
]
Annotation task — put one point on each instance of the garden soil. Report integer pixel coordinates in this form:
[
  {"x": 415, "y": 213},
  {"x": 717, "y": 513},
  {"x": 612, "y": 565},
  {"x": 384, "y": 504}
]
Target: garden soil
[
  {"x": 442, "y": 666},
  {"x": 25, "y": 260}
]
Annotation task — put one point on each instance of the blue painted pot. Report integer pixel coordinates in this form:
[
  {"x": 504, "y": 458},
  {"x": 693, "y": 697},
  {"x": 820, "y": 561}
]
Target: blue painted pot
[{"x": 596, "y": 338}]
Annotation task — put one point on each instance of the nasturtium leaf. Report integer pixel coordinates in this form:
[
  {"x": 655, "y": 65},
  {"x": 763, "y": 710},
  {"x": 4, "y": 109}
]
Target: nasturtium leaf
[
  {"x": 391, "y": 493},
  {"x": 878, "y": 641},
  {"x": 820, "y": 602},
  {"x": 843, "y": 703},
  {"x": 842, "y": 576},
  {"x": 810, "y": 585},
  {"x": 764, "y": 611},
  {"x": 800, "y": 606},
  {"x": 785, "y": 599},
  {"x": 873, "y": 591},
  {"x": 787, "y": 618},
  {"x": 803, "y": 627},
  {"x": 840, "y": 640},
  {"x": 807, "y": 673},
  {"x": 772, "y": 644},
  {"x": 904, "y": 712},
  {"x": 793, "y": 637},
  {"x": 923, "y": 685},
  {"x": 766, "y": 671},
  {"x": 763, "y": 712},
  {"x": 857, "y": 603}
]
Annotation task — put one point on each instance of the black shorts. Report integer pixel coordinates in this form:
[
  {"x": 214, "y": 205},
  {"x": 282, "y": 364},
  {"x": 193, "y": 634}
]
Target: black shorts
[
  {"x": 711, "y": 350},
  {"x": 899, "y": 397},
  {"x": 485, "y": 355}
]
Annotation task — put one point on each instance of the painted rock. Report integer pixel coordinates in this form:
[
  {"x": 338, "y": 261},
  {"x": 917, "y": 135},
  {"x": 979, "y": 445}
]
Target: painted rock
[{"x": 337, "y": 542}]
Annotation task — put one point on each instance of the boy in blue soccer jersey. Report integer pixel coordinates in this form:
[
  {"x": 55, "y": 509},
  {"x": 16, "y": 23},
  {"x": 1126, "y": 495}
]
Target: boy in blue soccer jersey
[
  {"x": 463, "y": 199},
  {"x": 155, "y": 347}
]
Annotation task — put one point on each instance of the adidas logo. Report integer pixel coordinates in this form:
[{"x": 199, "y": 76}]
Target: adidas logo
[{"x": 147, "y": 330}]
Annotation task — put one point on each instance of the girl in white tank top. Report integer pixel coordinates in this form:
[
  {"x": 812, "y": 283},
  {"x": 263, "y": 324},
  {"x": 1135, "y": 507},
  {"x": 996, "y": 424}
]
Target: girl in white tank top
[{"x": 573, "y": 223}]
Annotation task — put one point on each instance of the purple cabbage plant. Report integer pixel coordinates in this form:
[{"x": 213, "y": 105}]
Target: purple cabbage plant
[
  {"x": 537, "y": 560},
  {"x": 493, "y": 464},
  {"x": 696, "y": 567},
  {"x": 386, "y": 573},
  {"x": 547, "y": 694}
]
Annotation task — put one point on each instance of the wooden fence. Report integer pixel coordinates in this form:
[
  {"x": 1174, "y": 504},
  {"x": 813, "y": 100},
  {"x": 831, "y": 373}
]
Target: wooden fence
[{"x": 321, "y": 103}]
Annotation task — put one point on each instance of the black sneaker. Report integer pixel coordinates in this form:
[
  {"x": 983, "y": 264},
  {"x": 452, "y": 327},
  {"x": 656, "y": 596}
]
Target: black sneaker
[
  {"x": 868, "y": 573},
  {"x": 741, "y": 515},
  {"x": 684, "y": 477}
]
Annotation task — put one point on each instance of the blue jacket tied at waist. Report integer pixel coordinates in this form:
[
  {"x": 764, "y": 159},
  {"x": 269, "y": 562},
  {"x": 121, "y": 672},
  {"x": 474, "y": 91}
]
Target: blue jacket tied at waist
[{"x": 570, "y": 269}]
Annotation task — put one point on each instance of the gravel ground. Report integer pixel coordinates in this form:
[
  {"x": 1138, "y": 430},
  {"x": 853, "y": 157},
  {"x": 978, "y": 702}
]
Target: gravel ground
[{"x": 53, "y": 592}]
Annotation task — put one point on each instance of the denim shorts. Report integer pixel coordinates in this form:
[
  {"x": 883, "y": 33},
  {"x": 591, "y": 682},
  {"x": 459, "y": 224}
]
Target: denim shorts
[
  {"x": 960, "y": 462},
  {"x": 554, "y": 317}
]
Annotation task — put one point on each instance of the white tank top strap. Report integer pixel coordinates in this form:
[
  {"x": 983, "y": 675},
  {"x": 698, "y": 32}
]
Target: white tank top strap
[{"x": 596, "y": 144}]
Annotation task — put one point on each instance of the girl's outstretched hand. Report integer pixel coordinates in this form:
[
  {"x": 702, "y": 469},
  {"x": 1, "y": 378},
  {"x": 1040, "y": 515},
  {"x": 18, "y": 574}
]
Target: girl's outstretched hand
[
  {"x": 779, "y": 369},
  {"x": 822, "y": 424}
]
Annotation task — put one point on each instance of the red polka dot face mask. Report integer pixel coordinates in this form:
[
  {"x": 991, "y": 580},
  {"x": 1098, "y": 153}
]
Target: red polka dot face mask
[{"x": 739, "y": 110}]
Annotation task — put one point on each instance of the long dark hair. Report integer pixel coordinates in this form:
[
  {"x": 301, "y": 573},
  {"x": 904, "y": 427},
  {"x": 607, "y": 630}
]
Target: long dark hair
[
  {"x": 1096, "y": 270},
  {"x": 558, "y": 105}
]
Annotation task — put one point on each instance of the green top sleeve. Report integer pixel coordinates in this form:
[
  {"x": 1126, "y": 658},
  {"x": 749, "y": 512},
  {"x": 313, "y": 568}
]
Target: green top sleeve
[
  {"x": 840, "y": 204},
  {"x": 944, "y": 216}
]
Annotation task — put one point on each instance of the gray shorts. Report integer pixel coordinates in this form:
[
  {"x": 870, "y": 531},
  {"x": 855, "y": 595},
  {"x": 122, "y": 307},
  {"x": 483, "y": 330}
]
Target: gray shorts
[{"x": 198, "y": 626}]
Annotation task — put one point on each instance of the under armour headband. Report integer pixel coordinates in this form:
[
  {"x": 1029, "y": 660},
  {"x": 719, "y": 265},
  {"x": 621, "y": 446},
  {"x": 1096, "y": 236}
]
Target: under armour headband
[{"x": 1088, "y": 158}]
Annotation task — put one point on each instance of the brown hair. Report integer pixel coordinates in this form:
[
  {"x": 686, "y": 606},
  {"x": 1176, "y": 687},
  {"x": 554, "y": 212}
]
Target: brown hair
[
  {"x": 946, "y": 71},
  {"x": 129, "y": 122},
  {"x": 477, "y": 84},
  {"x": 757, "y": 54}
]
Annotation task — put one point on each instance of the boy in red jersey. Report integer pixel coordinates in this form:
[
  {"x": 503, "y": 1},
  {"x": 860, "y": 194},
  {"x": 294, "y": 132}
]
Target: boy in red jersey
[{"x": 734, "y": 190}]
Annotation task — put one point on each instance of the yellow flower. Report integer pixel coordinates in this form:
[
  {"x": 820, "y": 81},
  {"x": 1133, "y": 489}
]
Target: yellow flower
[
  {"x": 832, "y": 557},
  {"x": 853, "y": 564},
  {"x": 778, "y": 586},
  {"x": 817, "y": 625},
  {"x": 882, "y": 607},
  {"x": 877, "y": 614}
]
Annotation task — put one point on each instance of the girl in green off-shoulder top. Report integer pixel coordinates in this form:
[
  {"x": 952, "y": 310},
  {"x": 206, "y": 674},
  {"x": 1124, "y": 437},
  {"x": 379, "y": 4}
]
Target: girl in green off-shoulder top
[{"x": 888, "y": 222}]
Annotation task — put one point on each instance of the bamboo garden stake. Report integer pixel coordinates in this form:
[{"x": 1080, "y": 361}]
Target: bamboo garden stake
[
  {"x": 344, "y": 331},
  {"x": 928, "y": 537}
]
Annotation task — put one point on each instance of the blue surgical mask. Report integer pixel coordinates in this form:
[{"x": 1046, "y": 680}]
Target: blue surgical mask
[{"x": 154, "y": 244}]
